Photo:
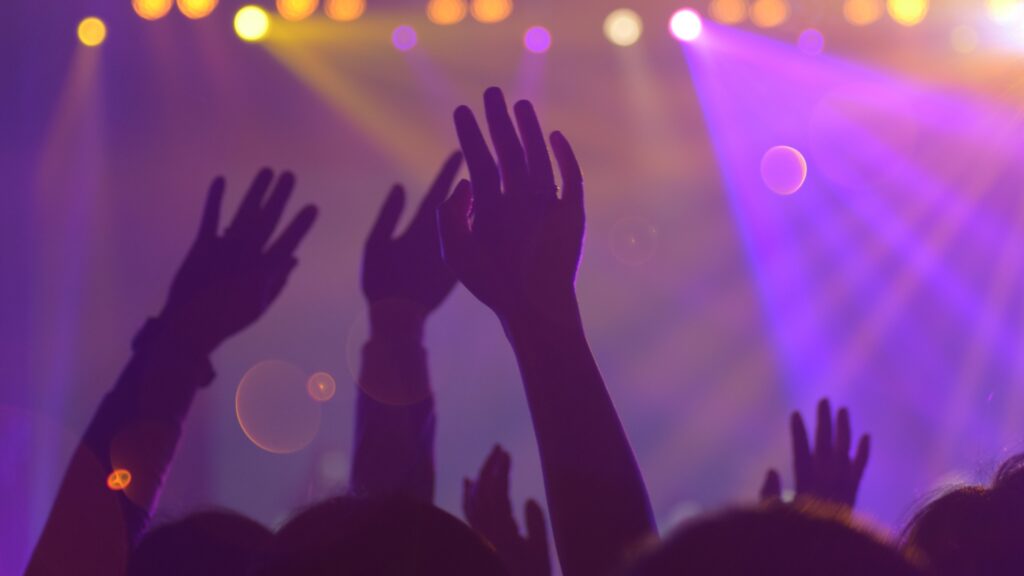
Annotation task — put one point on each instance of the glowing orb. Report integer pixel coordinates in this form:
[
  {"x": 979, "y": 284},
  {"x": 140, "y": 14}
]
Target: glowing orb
[
  {"x": 769, "y": 13},
  {"x": 728, "y": 11},
  {"x": 252, "y": 23},
  {"x": 783, "y": 170},
  {"x": 862, "y": 12},
  {"x": 296, "y": 10},
  {"x": 92, "y": 31},
  {"x": 634, "y": 241},
  {"x": 623, "y": 27},
  {"x": 404, "y": 38},
  {"x": 119, "y": 479},
  {"x": 908, "y": 12},
  {"x": 686, "y": 25},
  {"x": 196, "y": 9},
  {"x": 446, "y": 12},
  {"x": 537, "y": 40},
  {"x": 274, "y": 409},
  {"x": 152, "y": 9},
  {"x": 1005, "y": 11},
  {"x": 811, "y": 42},
  {"x": 321, "y": 386},
  {"x": 345, "y": 10},
  {"x": 491, "y": 11},
  {"x": 964, "y": 39}
]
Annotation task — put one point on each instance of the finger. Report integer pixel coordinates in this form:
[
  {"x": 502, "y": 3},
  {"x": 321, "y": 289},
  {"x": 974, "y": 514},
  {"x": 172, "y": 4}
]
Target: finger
[
  {"x": 292, "y": 236},
  {"x": 843, "y": 434},
  {"x": 511, "y": 158},
  {"x": 801, "y": 453},
  {"x": 247, "y": 214},
  {"x": 453, "y": 225},
  {"x": 536, "y": 528},
  {"x": 542, "y": 175},
  {"x": 211, "y": 212},
  {"x": 823, "y": 437},
  {"x": 860, "y": 460},
  {"x": 467, "y": 501},
  {"x": 482, "y": 170},
  {"x": 442, "y": 185},
  {"x": 275, "y": 207},
  {"x": 504, "y": 466},
  {"x": 384, "y": 228},
  {"x": 572, "y": 176},
  {"x": 772, "y": 487}
]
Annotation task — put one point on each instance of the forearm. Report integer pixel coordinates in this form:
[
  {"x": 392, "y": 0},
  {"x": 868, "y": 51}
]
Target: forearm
[{"x": 596, "y": 495}]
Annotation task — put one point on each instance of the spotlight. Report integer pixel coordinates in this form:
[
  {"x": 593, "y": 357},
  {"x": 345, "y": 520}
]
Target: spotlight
[
  {"x": 537, "y": 39},
  {"x": 92, "y": 31},
  {"x": 296, "y": 10},
  {"x": 491, "y": 11},
  {"x": 908, "y": 12},
  {"x": 196, "y": 9},
  {"x": 1005, "y": 11},
  {"x": 446, "y": 12},
  {"x": 862, "y": 12},
  {"x": 152, "y": 9},
  {"x": 345, "y": 10},
  {"x": 623, "y": 27},
  {"x": 769, "y": 13},
  {"x": 252, "y": 23},
  {"x": 404, "y": 38},
  {"x": 686, "y": 25},
  {"x": 728, "y": 11}
]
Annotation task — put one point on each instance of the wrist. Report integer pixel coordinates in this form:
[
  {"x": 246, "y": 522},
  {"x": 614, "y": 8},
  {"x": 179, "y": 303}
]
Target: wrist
[
  {"x": 397, "y": 320},
  {"x": 556, "y": 313},
  {"x": 184, "y": 334}
]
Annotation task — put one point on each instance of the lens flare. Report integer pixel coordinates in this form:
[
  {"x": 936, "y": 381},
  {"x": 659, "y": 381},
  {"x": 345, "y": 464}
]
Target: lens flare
[
  {"x": 769, "y": 13},
  {"x": 811, "y": 42},
  {"x": 964, "y": 39},
  {"x": 274, "y": 409},
  {"x": 446, "y": 12},
  {"x": 252, "y": 23},
  {"x": 345, "y": 10},
  {"x": 92, "y": 31},
  {"x": 152, "y": 9},
  {"x": 491, "y": 11},
  {"x": 537, "y": 40},
  {"x": 321, "y": 386},
  {"x": 196, "y": 9},
  {"x": 908, "y": 12},
  {"x": 623, "y": 27},
  {"x": 728, "y": 11},
  {"x": 784, "y": 170},
  {"x": 862, "y": 12},
  {"x": 634, "y": 241},
  {"x": 686, "y": 25},
  {"x": 404, "y": 38},
  {"x": 119, "y": 479},
  {"x": 296, "y": 10}
]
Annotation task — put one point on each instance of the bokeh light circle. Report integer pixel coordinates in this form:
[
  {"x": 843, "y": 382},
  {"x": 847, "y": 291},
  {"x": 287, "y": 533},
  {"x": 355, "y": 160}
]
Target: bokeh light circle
[
  {"x": 274, "y": 409},
  {"x": 623, "y": 27},
  {"x": 908, "y": 12},
  {"x": 769, "y": 13},
  {"x": 686, "y": 25},
  {"x": 783, "y": 169},
  {"x": 152, "y": 9},
  {"x": 811, "y": 42},
  {"x": 321, "y": 387},
  {"x": 92, "y": 31},
  {"x": 345, "y": 10},
  {"x": 446, "y": 12},
  {"x": 404, "y": 38},
  {"x": 196, "y": 9},
  {"x": 296, "y": 10},
  {"x": 491, "y": 11},
  {"x": 252, "y": 23},
  {"x": 728, "y": 11},
  {"x": 634, "y": 240},
  {"x": 537, "y": 39},
  {"x": 964, "y": 39},
  {"x": 119, "y": 479},
  {"x": 862, "y": 12}
]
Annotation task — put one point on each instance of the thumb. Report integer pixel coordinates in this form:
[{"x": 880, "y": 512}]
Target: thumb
[
  {"x": 453, "y": 224},
  {"x": 536, "y": 528},
  {"x": 772, "y": 487}
]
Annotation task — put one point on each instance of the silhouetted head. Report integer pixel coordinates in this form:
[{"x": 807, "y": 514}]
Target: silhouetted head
[
  {"x": 805, "y": 539},
  {"x": 974, "y": 530},
  {"x": 215, "y": 543},
  {"x": 378, "y": 537}
]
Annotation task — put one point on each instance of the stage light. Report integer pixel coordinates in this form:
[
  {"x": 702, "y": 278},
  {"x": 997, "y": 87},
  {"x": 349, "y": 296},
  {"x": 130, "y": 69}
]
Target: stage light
[
  {"x": 252, "y": 23},
  {"x": 908, "y": 12},
  {"x": 862, "y": 12},
  {"x": 491, "y": 11},
  {"x": 119, "y": 479},
  {"x": 404, "y": 38},
  {"x": 686, "y": 25},
  {"x": 783, "y": 169},
  {"x": 321, "y": 386},
  {"x": 811, "y": 42},
  {"x": 1005, "y": 11},
  {"x": 152, "y": 9},
  {"x": 537, "y": 39},
  {"x": 446, "y": 12},
  {"x": 296, "y": 10},
  {"x": 769, "y": 13},
  {"x": 623, "y": 27},
  {"x": 345, "y": 10},
  {"x": 964, "y": 39},
  {"x": 196, "y": 9},
  {"x": 92, "y": 31},
  {"x": 728, "y": 11}
]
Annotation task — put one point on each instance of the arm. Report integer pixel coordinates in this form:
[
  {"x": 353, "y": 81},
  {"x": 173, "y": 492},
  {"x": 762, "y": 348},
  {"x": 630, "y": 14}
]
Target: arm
[
  {"x": 225, "y": 284},
  {"x": 518, "y": 254},
  {"x": 404, "y": 280},
  {"x": 828, "y": 473}
]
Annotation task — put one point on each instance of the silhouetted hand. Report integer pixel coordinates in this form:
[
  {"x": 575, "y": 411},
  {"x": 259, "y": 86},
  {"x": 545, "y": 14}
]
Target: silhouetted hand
[
  {"x": 508, "y": 235},
  {"x": 410, "y": 267},
  {"x": 827, "y": 473},
  {"x": 488, "y": 510},
  {"x": 229, "y": 280}
]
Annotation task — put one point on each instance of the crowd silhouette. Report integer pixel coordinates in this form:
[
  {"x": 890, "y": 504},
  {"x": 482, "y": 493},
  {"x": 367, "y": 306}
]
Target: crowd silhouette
[{"x": 512, "y": 234}]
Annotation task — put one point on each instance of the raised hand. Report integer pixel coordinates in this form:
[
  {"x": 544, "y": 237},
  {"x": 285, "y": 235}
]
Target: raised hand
[
  {"x": 229, "y": 280},
  {"x": 488, "y": 510},
  {"x": 507, "y": 234},
  {"x": 827, "y": 473}
]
